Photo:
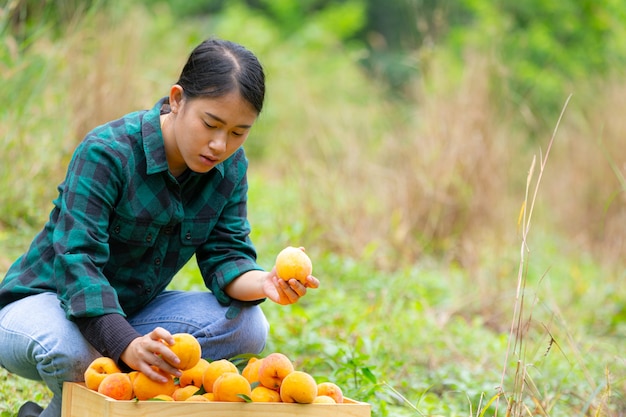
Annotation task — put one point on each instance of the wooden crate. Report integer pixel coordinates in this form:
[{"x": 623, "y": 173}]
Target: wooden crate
[{"x": 79, "y": 401}]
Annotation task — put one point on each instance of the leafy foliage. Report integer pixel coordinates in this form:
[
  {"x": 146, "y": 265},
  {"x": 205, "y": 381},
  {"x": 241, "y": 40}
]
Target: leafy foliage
[{"x": 545, "y": 49}]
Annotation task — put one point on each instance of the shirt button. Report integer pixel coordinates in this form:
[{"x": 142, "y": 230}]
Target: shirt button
[
  {"x": 188, "y": 235},
  {"x": 149, "y": 238},
  {"x": 157, "y": 261},
  {"x": 148, "y": 290},
  {"x": 117, "y": 229}
]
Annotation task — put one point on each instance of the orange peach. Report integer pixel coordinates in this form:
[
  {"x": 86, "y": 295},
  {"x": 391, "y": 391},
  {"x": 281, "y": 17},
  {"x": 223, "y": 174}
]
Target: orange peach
[
  {"x": 261, "y": 394},
  {"x": 182, "y": 393},
  {"x": 324, "y": 399},
  {"x": 293, "y": 263},
  {"x": 188, "y": 350},
  {"x": 132, "y": 375},
  {"x": 116, "y": 386},
  {"x": 231, "y": 387},
  {"x": 330, "y": 389},
  {"x": 214, "y": 370},
  {"x": 198, "y": 399},
  {"x": 97, "y": 370},
  {"x": 194, "y": 375},
  {"x": 145, "y": 388},
  {"x": 275, "y": 367},
  {"x": 251, "y": 370},
  {"x": 162, "y": 397},
  {"x": 298, "y": 387}
]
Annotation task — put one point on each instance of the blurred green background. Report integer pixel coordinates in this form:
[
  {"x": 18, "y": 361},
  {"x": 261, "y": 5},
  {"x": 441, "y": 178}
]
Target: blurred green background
[{"x": 397, "y": 146}]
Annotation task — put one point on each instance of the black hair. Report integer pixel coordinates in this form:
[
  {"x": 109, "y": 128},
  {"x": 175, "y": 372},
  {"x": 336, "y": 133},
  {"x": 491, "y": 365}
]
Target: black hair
[{"x": 217, "y": 67}]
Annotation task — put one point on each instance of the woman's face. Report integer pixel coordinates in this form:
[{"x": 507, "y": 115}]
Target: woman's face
[{"x": 200, "y": 133}]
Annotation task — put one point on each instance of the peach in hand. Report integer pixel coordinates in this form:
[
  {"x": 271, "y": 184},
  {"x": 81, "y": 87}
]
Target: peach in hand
[
  {"x": 188, "y": 350},
  {"x": 293, "y": 263}
]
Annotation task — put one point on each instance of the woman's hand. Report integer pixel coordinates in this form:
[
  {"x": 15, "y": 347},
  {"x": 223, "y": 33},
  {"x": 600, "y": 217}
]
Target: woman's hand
[
  {"x": 287, "y": 292},
  {"x": 148, "y": 351}
]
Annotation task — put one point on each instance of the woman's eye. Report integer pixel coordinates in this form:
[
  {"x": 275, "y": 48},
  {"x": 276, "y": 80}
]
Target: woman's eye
[
  {"x": 237, "y": 134},
  {"x": 209, "y": 125}
]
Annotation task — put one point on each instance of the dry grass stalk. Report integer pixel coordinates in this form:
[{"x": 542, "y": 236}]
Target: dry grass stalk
[{"x": 517, "y": 332}]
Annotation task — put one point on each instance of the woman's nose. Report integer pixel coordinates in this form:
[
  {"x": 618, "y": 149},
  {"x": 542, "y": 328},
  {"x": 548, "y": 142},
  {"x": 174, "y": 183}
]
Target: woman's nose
[{"x": 218, "y": 143}]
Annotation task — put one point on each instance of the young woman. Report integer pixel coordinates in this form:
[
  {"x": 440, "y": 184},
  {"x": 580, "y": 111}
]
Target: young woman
[{"x": 142, "y": 195}]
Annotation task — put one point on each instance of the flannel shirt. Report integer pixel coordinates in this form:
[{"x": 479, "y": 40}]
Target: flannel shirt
[{"x": 122, "y": 225}]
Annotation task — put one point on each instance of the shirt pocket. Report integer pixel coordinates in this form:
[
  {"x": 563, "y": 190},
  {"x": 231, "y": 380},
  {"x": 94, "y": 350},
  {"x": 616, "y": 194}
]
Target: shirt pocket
[
  {"x": 196, "y": 232},
  {"x": 133, "y": 232}
]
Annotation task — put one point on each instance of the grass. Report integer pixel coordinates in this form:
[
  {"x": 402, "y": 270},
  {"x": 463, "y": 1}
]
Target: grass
[{"x": 408, "y": 210}]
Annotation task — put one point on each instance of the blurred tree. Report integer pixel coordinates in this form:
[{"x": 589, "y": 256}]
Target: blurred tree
[{"x": 545, "y": 50}]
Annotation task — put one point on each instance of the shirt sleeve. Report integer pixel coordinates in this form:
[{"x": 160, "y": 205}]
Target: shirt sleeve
[
  {"x": 80, "y": 237},
  {"x": 229, "y": 252},
  {"x": 109, "y": 334}
]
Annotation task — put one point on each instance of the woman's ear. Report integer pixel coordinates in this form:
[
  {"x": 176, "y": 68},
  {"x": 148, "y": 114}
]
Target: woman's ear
[{"x": 176, "y": 98}]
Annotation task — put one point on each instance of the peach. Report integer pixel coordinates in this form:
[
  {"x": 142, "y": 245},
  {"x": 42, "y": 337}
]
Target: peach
[
  {"x": 97, "y": 370},
  {"x": 231, "y": 387},
  {"x": 275, "y": 367},
  {"x": 188, "y": 350},
  {"x": 214, "y": 370},
  {"x": 293, "y": 263},
  {"x": 182, "y": 393},
  {"x": 132, "y": 375},
  {"x": 145, "y": 388},
  {"x": 261, "y": 394},
  {"x": 194, "y": 375},
  {"x": 251, "y": 370},
  {"x": 117, "y": 386},
  {"x": 298, "y": 387},
  {"x": 330, "y": 389},
  {"x": 324, "y": 399},
  {"x": 198, "y": 399},
  {"x": 162, "y": 397}
]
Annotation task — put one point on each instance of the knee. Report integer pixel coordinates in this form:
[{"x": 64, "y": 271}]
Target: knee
[
  {"x": 254, "y": 329},
  {"x": 65, "y": 362},
  {"x": 245, "y": 333}
]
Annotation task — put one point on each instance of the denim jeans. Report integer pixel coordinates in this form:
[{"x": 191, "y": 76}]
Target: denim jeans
[{"x": 38, "y": 342}]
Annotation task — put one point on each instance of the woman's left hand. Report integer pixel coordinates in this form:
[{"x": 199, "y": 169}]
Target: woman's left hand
[{"x": 287, "y": 292}]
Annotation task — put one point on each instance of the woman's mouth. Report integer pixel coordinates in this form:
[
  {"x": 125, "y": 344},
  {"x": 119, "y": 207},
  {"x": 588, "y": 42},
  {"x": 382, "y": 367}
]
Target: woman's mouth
[{"x": 209, "y": 160}]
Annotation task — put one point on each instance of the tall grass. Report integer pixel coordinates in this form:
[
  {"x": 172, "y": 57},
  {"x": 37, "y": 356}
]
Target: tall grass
[{"x": 409, "y": 209}]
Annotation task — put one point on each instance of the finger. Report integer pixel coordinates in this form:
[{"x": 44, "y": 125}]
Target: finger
[
  {"x": 292, "y": 289},
  {"x": 285, "y": 293},
  {"x": 153, "y": 373},
  {"x": 154, "y": 361},
  {"x": 164, "y": 358},
  {"x": 160, "y": 333},
  {"x": 297, "y": 287},
  {"x": 312, "y": 282}
]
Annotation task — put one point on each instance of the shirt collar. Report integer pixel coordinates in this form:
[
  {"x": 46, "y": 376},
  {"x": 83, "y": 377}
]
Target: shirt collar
[{"x": 153, "y": 145}]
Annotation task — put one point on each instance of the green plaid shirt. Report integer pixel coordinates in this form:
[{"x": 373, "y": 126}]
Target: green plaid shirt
[{"x": 122, "y": 225}]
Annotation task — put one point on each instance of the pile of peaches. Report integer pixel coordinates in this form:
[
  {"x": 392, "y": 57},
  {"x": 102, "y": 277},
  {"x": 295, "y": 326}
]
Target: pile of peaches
[{"x": 268, "y": 379}]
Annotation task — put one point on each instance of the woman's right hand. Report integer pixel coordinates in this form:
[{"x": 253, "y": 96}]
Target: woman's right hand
[{"x": 149, "y": 351}]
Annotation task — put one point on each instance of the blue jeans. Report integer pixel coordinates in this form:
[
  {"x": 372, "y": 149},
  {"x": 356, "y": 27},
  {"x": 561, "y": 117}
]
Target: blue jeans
[{"x": 38, "y": 342}]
